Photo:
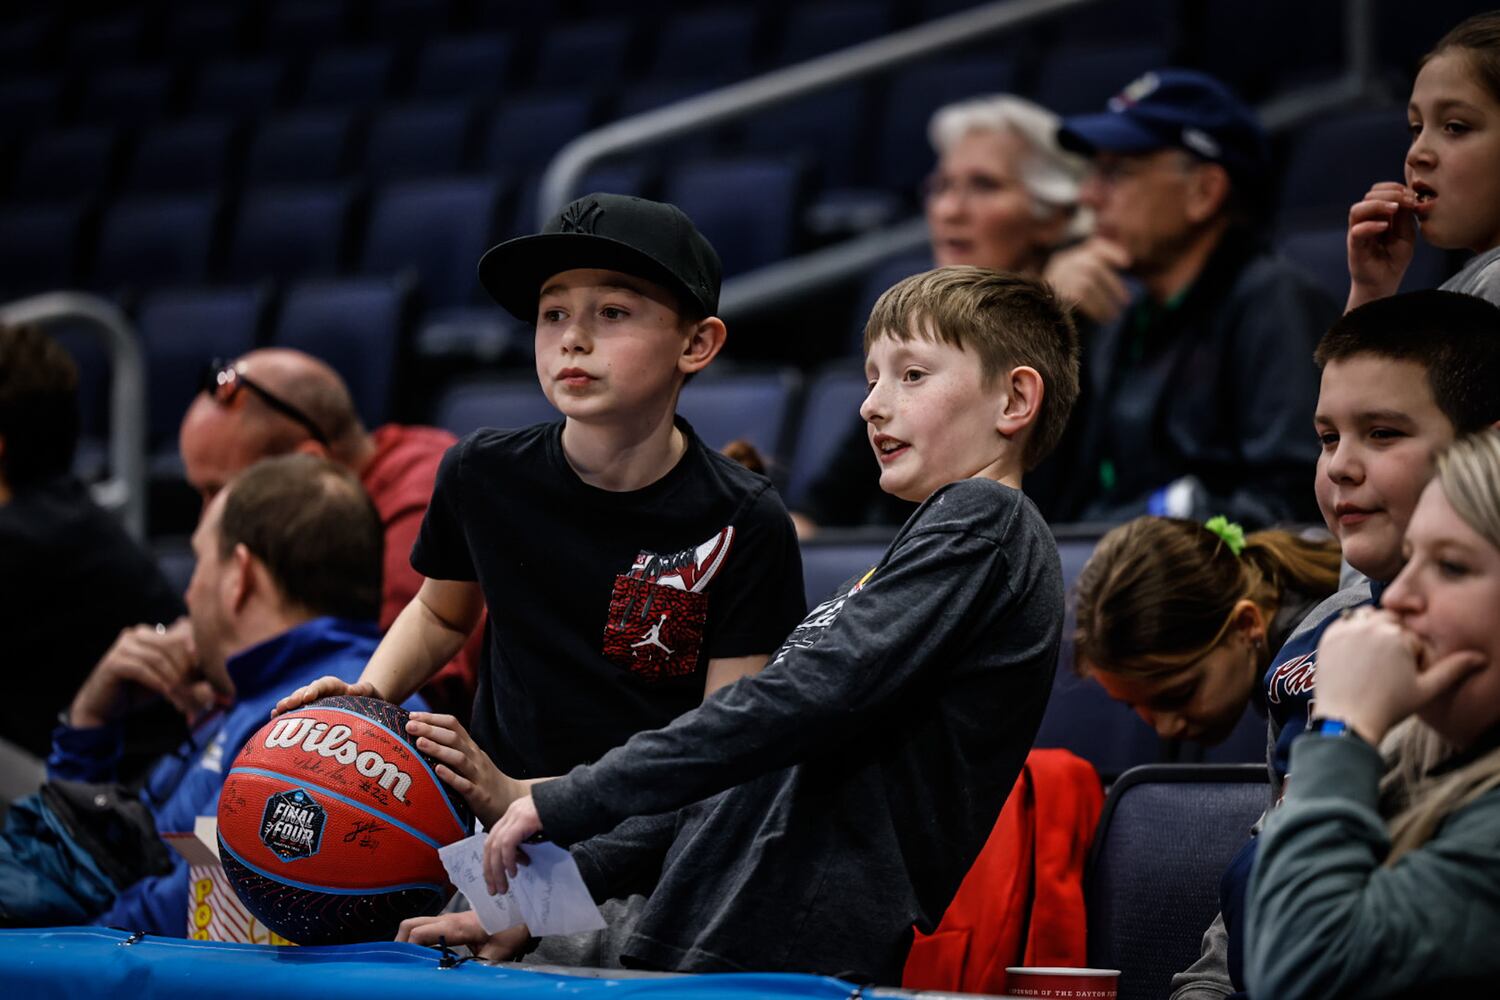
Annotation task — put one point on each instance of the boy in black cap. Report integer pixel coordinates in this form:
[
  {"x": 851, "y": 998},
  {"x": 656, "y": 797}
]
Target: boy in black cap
[
  {"x": 628, "y": 569},
  {"x": 1200, "y": 395}
]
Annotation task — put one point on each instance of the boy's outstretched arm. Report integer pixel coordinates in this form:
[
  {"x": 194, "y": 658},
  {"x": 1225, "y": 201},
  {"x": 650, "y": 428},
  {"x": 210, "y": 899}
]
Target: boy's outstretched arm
[{"x": 427, "y": 634}]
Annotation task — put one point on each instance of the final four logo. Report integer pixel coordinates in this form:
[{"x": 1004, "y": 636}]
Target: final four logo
[{"x": 292, "y": 825}]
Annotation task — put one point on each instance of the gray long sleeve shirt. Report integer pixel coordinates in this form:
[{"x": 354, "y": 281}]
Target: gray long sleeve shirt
[{"x": 864, "y": 766}]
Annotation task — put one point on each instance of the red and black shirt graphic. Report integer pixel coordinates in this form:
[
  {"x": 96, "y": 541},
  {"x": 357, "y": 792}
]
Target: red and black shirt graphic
[{"x": 659, "y": 609}]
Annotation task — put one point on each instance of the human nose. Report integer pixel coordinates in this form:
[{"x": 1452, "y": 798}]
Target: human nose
[
  {"x": 1091, "y": 191},
  {"x": 575, "y": 338},
  {"x": 1343, "y": 464},
  {"x": 1168, "y": 725},
  {"x": 1404, "y": 595},
  {"x": 873, "y": 409},
  {"x": 1420, "y": 152}
]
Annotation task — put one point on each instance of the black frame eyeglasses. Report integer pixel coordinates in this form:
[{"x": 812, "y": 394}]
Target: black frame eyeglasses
[{"x": 222, "y": 381}]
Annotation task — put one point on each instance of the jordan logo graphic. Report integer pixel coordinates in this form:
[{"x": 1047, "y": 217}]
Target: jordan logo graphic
[{"x": 653, "y": 637}]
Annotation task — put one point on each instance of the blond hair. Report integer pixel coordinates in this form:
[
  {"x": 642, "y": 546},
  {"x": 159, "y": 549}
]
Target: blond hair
[
  {"x": 1469, "y": 475},
  {"x": 1159, "y": 593},
  {"x": 1005, "y": 319}
]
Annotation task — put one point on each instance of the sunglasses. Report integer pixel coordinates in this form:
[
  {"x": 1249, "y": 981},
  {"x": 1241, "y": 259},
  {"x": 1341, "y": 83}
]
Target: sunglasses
[{"x": 223, "y": 381}]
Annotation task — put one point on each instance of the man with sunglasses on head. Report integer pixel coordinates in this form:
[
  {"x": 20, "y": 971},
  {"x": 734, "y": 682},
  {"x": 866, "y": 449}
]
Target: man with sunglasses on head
[
  {"x": 277, "y": 401},
  {"x": 1198, "y": 398}
]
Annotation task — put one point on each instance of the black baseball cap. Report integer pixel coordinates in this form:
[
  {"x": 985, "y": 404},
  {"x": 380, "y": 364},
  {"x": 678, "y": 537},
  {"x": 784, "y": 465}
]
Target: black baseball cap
[
  {"x": 613, "y": 232},
  {"x": 1175, "y": 108}
]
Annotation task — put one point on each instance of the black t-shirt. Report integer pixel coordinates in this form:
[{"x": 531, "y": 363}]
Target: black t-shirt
[
  {"x": 70, "y": 580},
  {"x": 604, "y": 607}
]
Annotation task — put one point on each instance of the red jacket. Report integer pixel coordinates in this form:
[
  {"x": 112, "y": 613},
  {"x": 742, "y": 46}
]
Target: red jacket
[
  {"x": 399, "y": 478},
  {"x": 1022, "y": 901}
]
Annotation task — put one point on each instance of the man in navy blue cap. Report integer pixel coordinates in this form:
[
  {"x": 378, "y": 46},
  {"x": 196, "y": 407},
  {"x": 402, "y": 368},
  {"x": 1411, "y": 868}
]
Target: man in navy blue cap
[{"x": 1200, "y": 395}]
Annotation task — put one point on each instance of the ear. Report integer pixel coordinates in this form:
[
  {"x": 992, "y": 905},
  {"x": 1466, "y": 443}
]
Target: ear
[
  {"x": 1208, "y": 191},
  {"x": 1248, "y": 621},
  {"x": 705, "y": 341},
  {"x": 1022, "y": 402},
  {"x": 240, "y": 582}
]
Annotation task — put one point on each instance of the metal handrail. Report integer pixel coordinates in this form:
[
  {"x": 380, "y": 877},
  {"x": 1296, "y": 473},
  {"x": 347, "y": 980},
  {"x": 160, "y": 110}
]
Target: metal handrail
[
  {"x": 560, "y": 182},
  {"x": 125, "y": 489},
  {"x": 785, "y": 281}
]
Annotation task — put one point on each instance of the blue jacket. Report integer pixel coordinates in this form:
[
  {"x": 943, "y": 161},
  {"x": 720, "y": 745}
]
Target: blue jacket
[{"x": 186, "y": 784}]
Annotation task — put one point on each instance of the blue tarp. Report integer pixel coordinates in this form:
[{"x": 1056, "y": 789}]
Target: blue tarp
[{"x": 92, "y": 962}]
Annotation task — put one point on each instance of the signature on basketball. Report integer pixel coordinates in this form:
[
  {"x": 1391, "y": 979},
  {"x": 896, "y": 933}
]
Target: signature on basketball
[
  {"x": 333, "y": 742},
  {"x": 361, "y": 832}
]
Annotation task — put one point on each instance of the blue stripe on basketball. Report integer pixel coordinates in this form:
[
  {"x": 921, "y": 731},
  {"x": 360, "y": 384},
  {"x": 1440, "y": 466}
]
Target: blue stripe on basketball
[
  {"x": 282, "y": 879},
  {"x": 361, "y": 806}
]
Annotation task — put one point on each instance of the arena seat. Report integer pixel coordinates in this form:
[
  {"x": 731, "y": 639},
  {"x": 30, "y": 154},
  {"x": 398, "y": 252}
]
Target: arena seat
[
  {"x": 1332, "y": 162},
  {"x": 418, "y": 140},
  {"x": 354, "y": 325},
  {"x": 1152, "y": 887},
  {"x": 302, "y": 26},
  {"x": 127, "y": 95},
  {"x": 825, "y": 128},
  {"x": 242, "y": 88},
  {"x": 749, "y": 406},
  {"x": 301, "y": 147},
  {"x": 462, "y": 66},
  {"x": 883, "y": 276},
  {"x": 181, "y": 331},
  {"x": 829, "y": 409},
  {"x": 830, "y": 563},
  {"x": 591, "y": 53},
  {"x": 27, "y": 105},
  {"x": 501, "y": 403},
  {"x": 526, "y": 131},
  {"x": 62, "y": 164},
  {"x": 157, "y": 240},
  {"x": 209, "y": 31},
  {"x": 747, "y": 207},
  {"x": 439, "y": 228},
  {"x": 348, "y": 77},
  {"x": 904, "y": 156},
  {"x": 39, "y": 246},
  {"x": 815, "y": 29},
  {"x": 404, "y": 22},
  {"x": 107, "y": 39},
  {"x": 1080, "y": 78},
  {"x": 187, "y": 157},
  {"x": 701, "y": 45},
  {"x": 1323, "y": 253},
  {"x": 291, "y": 232}
]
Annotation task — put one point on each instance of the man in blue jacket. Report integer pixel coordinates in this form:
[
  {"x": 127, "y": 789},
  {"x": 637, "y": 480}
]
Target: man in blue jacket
[{"x": 286, "y": 590}]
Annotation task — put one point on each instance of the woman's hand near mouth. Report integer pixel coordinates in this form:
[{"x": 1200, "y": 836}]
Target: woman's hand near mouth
[{"x": 1382, "y": 238}]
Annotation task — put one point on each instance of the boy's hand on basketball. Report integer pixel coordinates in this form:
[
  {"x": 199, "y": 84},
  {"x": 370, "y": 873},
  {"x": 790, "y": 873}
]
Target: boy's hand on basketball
[
  {"x": 158, "y": 659},
  {"x": 324, "y": 687},
  {"x": 502, "y": 848},
  {"x": 465, "y": 767},
  {"x": 1087, "y": 277},
  {"x": 1382, "y": 238}
]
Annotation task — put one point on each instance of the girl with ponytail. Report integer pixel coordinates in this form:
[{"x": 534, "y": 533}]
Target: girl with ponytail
[
  {"x": 1179, "y": 619},
  {"x": 1380, "y": 874}
]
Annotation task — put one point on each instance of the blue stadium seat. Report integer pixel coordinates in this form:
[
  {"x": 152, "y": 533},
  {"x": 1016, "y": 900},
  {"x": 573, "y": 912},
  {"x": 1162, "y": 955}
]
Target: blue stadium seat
[
  {"x": 348, "y": 77},
  {"x": 472, "y": 335},
  {"x": 39, "y": 246},
  {"x": 754, "y": 407},
  {"x": 1232, "y": 40},
  {"x": 471, "y": 66},
  {"x": 1080, "y": 78},
  {"x": 188, "y": 156},
  {"x": 66, "y": 164},
  {"x": 828, "y": 565},
  {"x": 746, "y": 207},
  {"x": 127, "y": 95},
  {"x": 502, "y": 403},
  {"x": 1333, "y": 161},
  {"x": 152, "y": 241},
  {"x": 815, "y": 29},
  {"x": 175, "y": 559},
  {"x": 300, "y": 26},
  {"x": 584, "y": 53},
  {"x": 406, "y": 21},
  {"x": 355, "y": 326},
  {"x": 27, "y": 105},
  {"x": 291, "y": 232},
  {"x": 91, "y": 461},
  {"x": 706, "y": 45},
  {"x": 241, "y": 88},
  {"x": 1152, "y": 885},
  {"x": 632, "y": 177},
  {"x": 206, "y": 30},
  {"x": 26, "y": 37},
  {"x": 181, "y": 331},
  {"x": 904, "y": 155},
  {"x": 828, "y": 129},
  {"x": 1323, "y": 253},
  {"x": 874, "y": 285},
  {"x": 1122, "y": 21},
  {"x": 438, "y": 228},
  {"x": 418, "y": 140},
  {"x": 830, "y": 408},
  {"x": 110, "y": 40},
  {"x": 309, "y": 146},
  {"x": 524, "y": 132}
]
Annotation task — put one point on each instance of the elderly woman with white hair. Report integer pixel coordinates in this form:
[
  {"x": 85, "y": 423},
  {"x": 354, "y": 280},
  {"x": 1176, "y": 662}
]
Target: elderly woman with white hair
[{"x": 1004, "y": 195}]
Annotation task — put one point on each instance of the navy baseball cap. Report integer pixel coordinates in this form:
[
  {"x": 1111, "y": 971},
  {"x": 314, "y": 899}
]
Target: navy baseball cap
[
  {"x": 612, "y": 232},
  {"x": 1179, "y": 108}
]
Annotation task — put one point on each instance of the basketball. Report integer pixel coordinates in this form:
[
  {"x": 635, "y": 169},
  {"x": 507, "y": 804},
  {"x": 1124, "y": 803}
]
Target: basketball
[{"x": 330, "y": 822}]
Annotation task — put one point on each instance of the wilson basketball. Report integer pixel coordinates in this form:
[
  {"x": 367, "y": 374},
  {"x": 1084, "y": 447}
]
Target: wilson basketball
[{"x": 330, "y": 823}]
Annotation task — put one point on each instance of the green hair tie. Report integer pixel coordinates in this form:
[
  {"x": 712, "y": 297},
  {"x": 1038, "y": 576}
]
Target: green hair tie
[{"x": 1230, "y": 533}]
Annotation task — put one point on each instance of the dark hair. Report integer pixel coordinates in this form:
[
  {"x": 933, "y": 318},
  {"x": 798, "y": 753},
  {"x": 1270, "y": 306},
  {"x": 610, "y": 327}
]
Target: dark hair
[
  {"x": 1479, "y": 37},
  {"x": 1159, "y": 592},
  {"x": 38, "y": 406},
  {"x": 1455, "y": 337},
  {"x": 313, "y": 526},
  {"x": 1005, "y": 319}
]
